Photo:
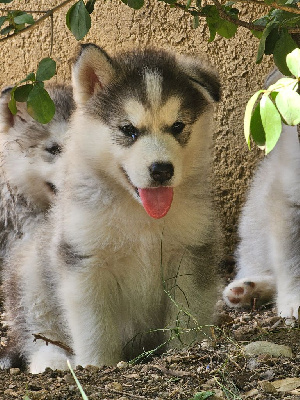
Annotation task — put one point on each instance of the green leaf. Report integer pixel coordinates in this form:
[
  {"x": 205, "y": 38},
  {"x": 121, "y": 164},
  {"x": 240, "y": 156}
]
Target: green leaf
[
  {"x": 2, "y": 20},
  {"x": 271, "y": 122},
  {"x": 188, "y": 4},
  {"x": 46, "y": 69},
  {"x": 21, "y": 93},
  {"x": 195, "y": 21},
  {"x": 24, "y": 19},
  {"x": 283, "y": 84},
  {"x": 256, "y": 127},
  {"x": 281, "y": 16},
  {"x": 248, "y": 114},
  {"x": 227, "y": 29},
  {"x": 78, "y": 20},
  {"x": 262, "y": 44},
  {"x": 288, "y": 104},
  {"x": 202, "y": 395},
  {"x": 40, "y": 105},
  {"x": 136, "y": 4},
  {"x": 212, "y": 20},
  {"x": 283, "y": 47},
  {"x": 271, "y": 41},
  {"x": 7, "y": 29},
  {"x": 293, "y": 62},
  {"x": 6, "y": 1},
  {"x": 12, "y": 103},
  {"x": 90, "y": 5}
]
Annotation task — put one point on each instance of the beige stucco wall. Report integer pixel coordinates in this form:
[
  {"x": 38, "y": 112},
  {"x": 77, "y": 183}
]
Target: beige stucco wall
[{"x": 116, "y": 27}]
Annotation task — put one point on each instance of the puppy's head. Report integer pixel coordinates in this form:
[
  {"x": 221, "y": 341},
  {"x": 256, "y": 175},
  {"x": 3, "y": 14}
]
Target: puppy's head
[
  {"x": 148, "y": 114},
  {"x": 30, "y": 150}
]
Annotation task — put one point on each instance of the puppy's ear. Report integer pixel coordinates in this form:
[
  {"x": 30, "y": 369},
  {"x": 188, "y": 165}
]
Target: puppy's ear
[
  {"x": 6, "y": 117},
  {"x": 92, "y": 71},
  {"x": 204, "y": 77}
]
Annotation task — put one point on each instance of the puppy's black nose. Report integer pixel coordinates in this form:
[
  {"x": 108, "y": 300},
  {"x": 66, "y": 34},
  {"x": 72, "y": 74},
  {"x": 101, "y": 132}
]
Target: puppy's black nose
[{"x": 161, "y": 172}]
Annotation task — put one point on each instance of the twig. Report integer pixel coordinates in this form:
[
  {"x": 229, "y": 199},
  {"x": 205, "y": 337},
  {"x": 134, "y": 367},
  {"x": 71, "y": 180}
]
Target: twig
[
  {"x": 239, "y": 22},
  {"x": 134, "y": 396},
  {"x": 38, "y": 21},
  {"x": 54, "y": 342},
  {"x": 172, "y": 372},
  {"x": 294, "y": 10}
]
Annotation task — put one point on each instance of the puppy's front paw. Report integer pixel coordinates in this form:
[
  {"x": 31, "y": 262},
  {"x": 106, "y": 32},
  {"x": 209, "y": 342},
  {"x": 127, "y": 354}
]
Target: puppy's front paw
[{"x": 239, "y": 293}]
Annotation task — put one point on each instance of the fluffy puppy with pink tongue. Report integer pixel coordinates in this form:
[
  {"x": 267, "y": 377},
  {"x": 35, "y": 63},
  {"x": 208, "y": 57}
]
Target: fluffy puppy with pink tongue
[{"x": 127, "y": 255}]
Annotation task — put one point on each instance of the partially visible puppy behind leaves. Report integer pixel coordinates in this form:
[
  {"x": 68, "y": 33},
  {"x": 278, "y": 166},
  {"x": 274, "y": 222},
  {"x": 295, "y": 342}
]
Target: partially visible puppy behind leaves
[{"x": 29, "y": 152}]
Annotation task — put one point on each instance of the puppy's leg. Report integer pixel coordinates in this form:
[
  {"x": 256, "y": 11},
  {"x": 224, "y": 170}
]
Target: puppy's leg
[
  {"x": 93, "y": 309},
  {"x": 288, "y": 271},
  {"x": 47, "y": 356}
]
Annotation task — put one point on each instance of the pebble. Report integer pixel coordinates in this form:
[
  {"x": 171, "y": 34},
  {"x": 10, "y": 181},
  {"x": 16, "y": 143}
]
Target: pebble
[
  {"x": 122, "y": 365},
  {"x": 14, "y": 371},
  {"x": 114, "y": 386},
  {"x": 69, "y": 378},
  {"x": 267, "y": 375},
  {"x": 92, "y": 368},
  {"x": 267, "y": 387},
  {"x": 264, "y": 347}
]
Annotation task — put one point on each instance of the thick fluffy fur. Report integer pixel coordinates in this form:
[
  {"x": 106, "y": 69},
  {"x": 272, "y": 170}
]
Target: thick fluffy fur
[
  {"x": 28, "y": 154},
  {"x": 94, "y": 276},
  {"x": 268, "y": 256}
]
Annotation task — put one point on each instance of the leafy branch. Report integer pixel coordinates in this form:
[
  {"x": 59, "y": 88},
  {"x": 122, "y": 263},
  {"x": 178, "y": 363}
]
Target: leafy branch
[
  {"x": 20, "y": 28},
  {"x": 279, "y": 103},
  {"x": 275, "y": 30}
]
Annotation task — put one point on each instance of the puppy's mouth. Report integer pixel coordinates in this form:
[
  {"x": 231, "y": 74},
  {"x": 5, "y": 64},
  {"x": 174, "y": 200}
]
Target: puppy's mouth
[
  {"x": 52, "y": 187},
  {"x": 156, "y": 200}
]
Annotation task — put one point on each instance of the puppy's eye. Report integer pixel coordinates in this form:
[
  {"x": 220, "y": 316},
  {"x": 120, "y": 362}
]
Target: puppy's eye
[
  {"x": 130, "y": 131},
  {"x": 177, "y": 128},
  {"x": 55, "y": 149}
]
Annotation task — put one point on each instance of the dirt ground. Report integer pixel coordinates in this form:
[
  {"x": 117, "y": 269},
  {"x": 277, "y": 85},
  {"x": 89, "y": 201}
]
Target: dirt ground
[{"x": 215, "y": 369}]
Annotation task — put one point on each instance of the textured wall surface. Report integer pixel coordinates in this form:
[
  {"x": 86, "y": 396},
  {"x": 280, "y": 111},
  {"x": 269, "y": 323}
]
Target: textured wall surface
[{"x": 116, "y": 27}]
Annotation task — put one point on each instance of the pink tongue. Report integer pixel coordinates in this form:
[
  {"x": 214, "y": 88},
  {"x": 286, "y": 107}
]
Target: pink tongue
[{"x": 156, "y": 201}]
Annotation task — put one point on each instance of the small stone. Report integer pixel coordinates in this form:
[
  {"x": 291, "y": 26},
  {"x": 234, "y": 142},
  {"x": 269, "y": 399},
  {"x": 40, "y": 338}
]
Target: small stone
[
  {"x": 132, "y": 376},
  {"x": 205, "y": 344},
  {"x": 92, "y": 368},
  {"x": 264, "y": 347},
  {"x": 14, "y": 371},
  {"x": 122, "y": 365},
  {"x": 267, "y": 375},
  {"x": 252, "y": 364},
  {"x": 267, "y": 387},
  {"x": 114, "y": 386},
  {"x": 69, "y": 378}
]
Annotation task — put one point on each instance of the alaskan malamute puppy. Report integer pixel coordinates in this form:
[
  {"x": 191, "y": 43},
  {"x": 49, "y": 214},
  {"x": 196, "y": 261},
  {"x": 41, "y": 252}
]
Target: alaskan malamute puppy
[
  {"x": 268, "y": 255},
  {"x": 28, "y": 155},
  {"x": 131, "y": 242}
]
